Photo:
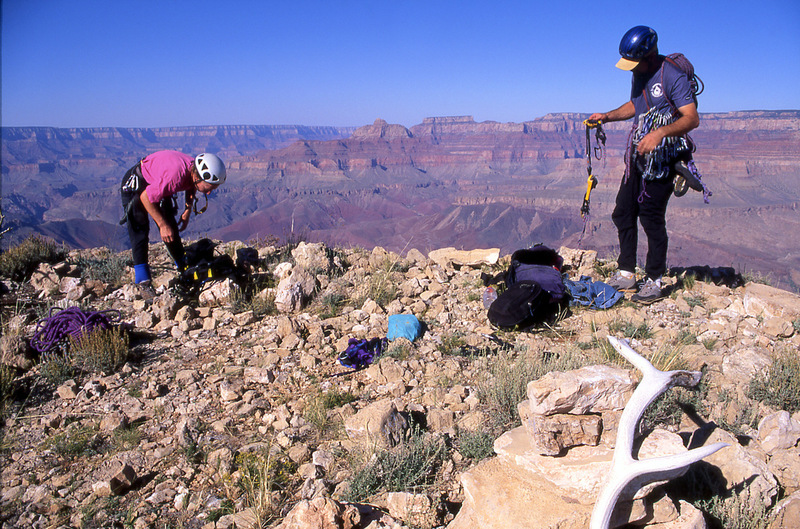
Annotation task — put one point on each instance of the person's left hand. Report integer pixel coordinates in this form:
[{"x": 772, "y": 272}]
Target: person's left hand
[
  {"x": 650, "y": 141},
  {"x": 184, "y": 220}
]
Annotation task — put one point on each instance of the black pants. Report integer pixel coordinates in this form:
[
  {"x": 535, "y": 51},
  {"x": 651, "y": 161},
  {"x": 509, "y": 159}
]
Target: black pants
[
  {"x": 645, "y": 201},
  {"x": 138, "y": 220}
]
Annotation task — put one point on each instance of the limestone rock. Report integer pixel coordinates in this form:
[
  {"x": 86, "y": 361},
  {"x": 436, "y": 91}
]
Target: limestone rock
[
  {"x": 787, "y": 513},
  {"x": 589, "y": 389},
  {"x": 740, "y": 466},
  {"x": 312, "y": 256},
  {"x": 778, "y": 431},
  {"x": 380, "y": 423},
  {"x": 321, "y": 513},
  {"x": 294, "y": 291},
  {"x": 15, "y": 351},
  {"x": 473, "y": 258},
  {"x": 551, "y": 434},
  {"x": 770, "y": 302}
]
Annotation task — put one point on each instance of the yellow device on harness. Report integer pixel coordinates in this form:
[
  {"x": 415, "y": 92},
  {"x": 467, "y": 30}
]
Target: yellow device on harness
[{"x": 591, "y": 181}]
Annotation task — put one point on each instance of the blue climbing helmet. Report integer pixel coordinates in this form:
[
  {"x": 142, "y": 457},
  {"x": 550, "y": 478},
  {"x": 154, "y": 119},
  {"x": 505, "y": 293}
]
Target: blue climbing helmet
[{"x": 637, "y": 43}]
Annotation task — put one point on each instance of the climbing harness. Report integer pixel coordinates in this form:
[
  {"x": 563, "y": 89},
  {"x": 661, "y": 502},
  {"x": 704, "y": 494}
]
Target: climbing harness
[
  {"x": 70, "y": 322},
  {"x": 597, "y": 152}
]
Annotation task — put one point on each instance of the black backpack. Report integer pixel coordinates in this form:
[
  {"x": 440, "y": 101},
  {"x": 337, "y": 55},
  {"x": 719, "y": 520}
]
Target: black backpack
[{"x": 535, "y": 290}]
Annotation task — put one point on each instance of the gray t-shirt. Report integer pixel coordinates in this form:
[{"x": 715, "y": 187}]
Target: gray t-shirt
[{"x": 649, "y": 91}]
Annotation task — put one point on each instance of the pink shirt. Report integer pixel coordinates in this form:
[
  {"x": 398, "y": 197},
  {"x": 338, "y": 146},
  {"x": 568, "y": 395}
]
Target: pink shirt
[{"x": 167, "y": 173}]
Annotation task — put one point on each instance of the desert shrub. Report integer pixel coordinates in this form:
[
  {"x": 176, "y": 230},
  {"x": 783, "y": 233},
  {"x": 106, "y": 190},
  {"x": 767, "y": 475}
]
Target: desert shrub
[
  {"x": 399, "y": 349},
  {"x": 100, "y": 351},
  {"x": 640, "y": 331},
  {"x": 56, "y": 366},
  {"x": 746, "y": 414},
  {"x": 19, "y": 262},
  {"x": 6, "y": 388},
  {"x": 74, "y": 441},
  {"x": 381, "y": 288},
  {"x": 410, "y": 466},
  {"x": 695, "y": 301},
  {"x": 110, "y": 268},
  {"x": 778, "y": 386},
  {"x": 739, "y": 511},
  {"x": 667, "y": 357},
  {"x": 259, "y": 476},
  {"x": 685, "y": 337},
  {"x": 668, "y": 409},
  {"x": 506, "y": 383},
  {"x": 475, "y": 445},
  {"x": 688, "y": 280},
  {"x": 330, "y": 304},
  {"x": 254, "y": 296},
  {"x": 604, "y": 269},
  {"x": 453, "y": 344},
  {"x": 316, "y": 411}
]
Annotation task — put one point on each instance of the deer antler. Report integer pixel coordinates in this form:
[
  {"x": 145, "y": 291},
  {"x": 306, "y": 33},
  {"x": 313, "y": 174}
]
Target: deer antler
[{"x": 624, "y": 468}]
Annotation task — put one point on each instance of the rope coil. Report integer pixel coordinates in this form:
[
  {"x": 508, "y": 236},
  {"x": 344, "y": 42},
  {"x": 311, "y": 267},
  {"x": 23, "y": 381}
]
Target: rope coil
[{"x": 70, "y": 322}]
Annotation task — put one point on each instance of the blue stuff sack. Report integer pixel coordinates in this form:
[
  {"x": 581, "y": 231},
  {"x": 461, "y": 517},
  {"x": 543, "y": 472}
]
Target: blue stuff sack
[{"x": 403, "y": 326}]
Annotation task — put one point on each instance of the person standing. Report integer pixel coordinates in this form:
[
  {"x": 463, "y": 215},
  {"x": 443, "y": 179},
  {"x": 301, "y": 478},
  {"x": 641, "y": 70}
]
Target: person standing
[
  {"x": 149, "y": 190},
  {"x": 664, "y": 110}
]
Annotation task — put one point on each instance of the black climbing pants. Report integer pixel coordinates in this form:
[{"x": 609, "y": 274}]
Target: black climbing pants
[
  {"x": 138, "y": 221},
  {"x": 645, "y": 201}
]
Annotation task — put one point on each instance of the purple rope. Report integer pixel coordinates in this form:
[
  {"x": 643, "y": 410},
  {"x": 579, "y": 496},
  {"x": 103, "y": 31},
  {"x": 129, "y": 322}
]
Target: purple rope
[{"x": 71, "y": 321}]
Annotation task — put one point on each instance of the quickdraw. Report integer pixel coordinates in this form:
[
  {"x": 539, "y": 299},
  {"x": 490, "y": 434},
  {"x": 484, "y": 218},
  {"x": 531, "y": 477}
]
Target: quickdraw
[{"x": 600, "y": 144}]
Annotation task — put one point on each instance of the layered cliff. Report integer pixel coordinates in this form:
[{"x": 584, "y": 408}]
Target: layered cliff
[{"x": 448, "y": 181}]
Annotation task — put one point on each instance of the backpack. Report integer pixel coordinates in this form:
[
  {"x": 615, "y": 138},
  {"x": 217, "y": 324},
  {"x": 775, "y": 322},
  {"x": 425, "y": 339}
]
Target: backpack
[
  {"x": 535, "y": 290},
  {"x": 679, "y": 61}
]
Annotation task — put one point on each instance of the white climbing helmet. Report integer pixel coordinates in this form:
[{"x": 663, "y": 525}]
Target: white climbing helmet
[{"x": 210, "y": 168}]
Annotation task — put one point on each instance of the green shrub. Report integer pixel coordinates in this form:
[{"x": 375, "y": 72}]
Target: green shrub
[
  {"x": 74, "y": 441},
  {"x": 399, "y": 349},
  {"x": 453, "y": 344},
  {"x": 695, "y": 301},
  {"x": 407, "y": 467},
  {"x": 56, "y": 367},
  {"x": 259, "y": 474},
  {"x": 739, "y": 511},
  {"x": 669, "y": 407},
  {"x": 6, "y": 388},
  {"x": 475, "y": 445},
  {"x": 506, "y": 383},
  {"x": 100, "y": 351},
  {"x": 778, "y": 386},
  {"x": 19, "y": 262},
  {"x": 629, "y": 329},
  {"x": 109, "y": 268},
  {"x": 330, "y": 304},
  {"x": 316, "y": 411}
]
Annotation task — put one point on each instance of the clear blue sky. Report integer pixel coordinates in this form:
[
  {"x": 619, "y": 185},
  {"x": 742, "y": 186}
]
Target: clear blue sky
[{"x": 154, "y": 63}]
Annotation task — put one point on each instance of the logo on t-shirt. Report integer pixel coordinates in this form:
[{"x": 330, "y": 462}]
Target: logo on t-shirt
[{"x": 656, "y": 90}]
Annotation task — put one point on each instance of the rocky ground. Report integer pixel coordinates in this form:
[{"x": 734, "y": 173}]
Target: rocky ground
[{"x": 231, "y": 410}]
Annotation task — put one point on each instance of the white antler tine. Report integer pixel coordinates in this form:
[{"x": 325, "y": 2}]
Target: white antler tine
[
  {"x": 623, "y": 347},
  {"x": 624, "y": 468}
]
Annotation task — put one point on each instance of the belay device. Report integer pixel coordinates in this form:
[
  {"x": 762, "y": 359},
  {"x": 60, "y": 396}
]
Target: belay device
[{"x": 591, "y": 181}]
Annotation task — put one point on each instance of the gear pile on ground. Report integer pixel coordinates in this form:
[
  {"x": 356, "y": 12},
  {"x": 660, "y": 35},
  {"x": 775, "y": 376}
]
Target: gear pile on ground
[{"x": 231, "y": 409}]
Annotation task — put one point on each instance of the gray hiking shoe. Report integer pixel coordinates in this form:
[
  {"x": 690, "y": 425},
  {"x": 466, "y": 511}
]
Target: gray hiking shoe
[
  {"x": 649, "y": 292},
  {"x": 622, "y": 283}
]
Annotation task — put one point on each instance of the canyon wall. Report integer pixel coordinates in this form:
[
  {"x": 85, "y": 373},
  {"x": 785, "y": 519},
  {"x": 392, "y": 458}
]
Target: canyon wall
[{"x": 448, "y": 181}]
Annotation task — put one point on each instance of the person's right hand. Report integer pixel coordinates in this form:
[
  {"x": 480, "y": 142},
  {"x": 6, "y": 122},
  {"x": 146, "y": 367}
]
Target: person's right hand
[
  {"x": 167, "y": 233},
  {"x": 598, "y": 116}
]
